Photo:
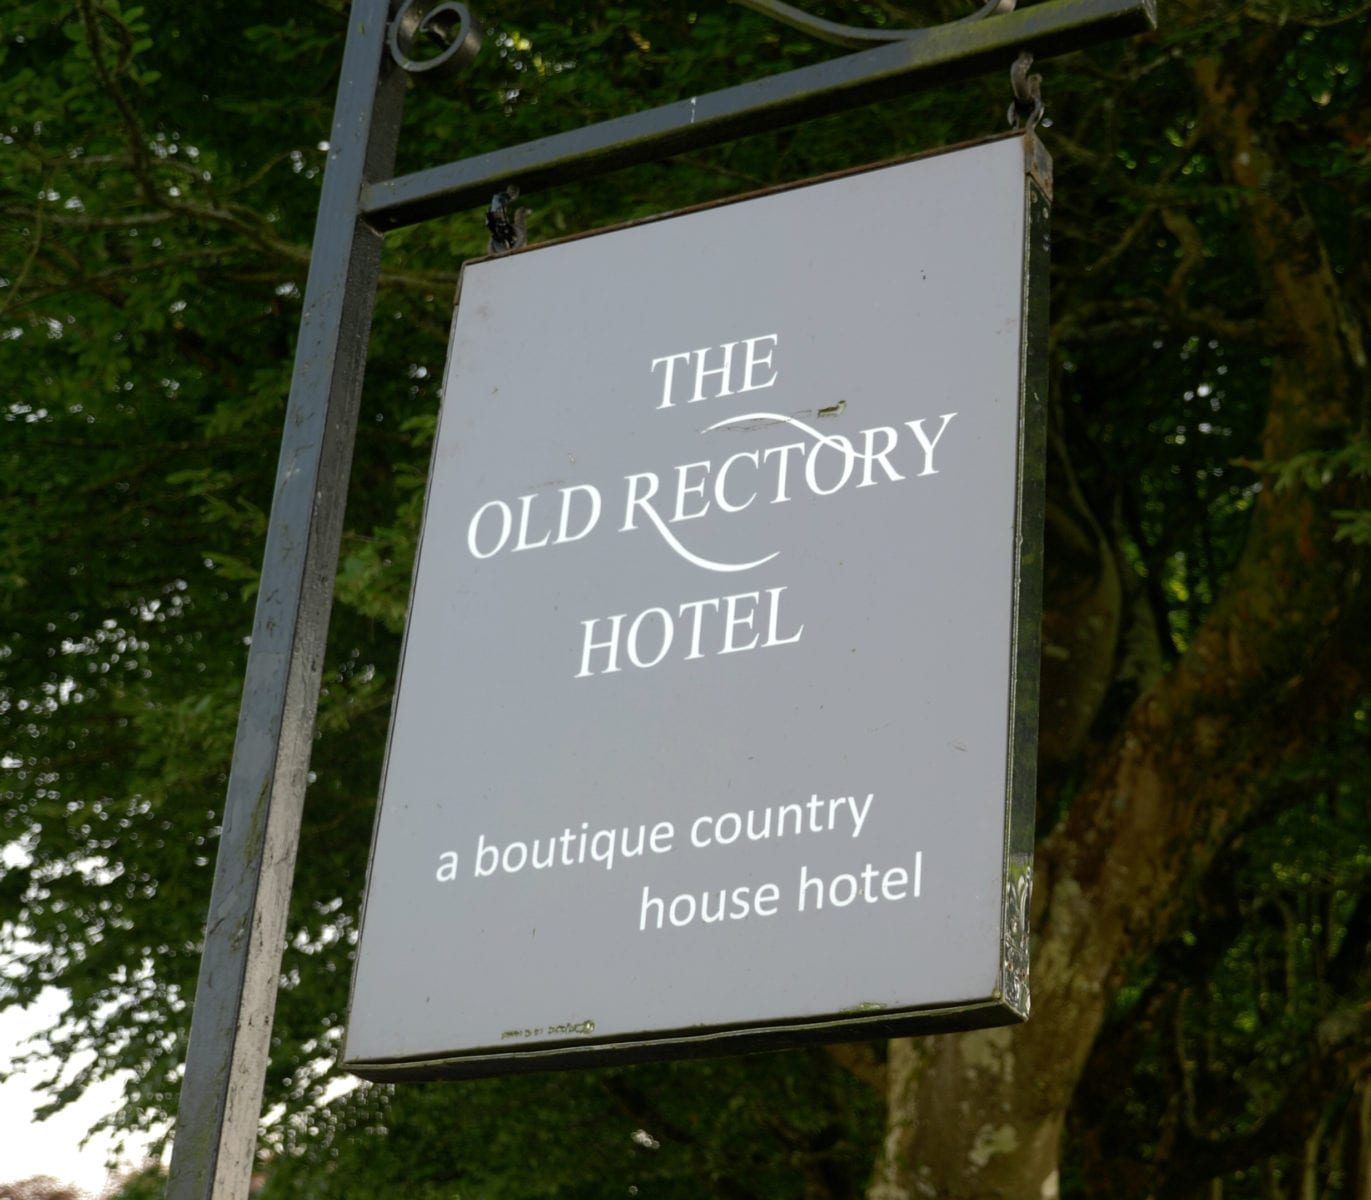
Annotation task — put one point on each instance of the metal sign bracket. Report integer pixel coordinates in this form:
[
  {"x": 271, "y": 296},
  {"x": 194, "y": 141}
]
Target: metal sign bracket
[{"x": 223, "y": 1084}]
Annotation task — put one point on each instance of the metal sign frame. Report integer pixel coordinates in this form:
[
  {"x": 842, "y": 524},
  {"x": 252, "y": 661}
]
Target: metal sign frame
[
  {"x": 362, "y": 199},
  {"x": 487, "y": 949}
]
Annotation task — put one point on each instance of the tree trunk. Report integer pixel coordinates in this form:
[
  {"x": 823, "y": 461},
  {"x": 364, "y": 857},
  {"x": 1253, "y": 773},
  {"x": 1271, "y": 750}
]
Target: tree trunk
[{"x": 1284, "y": 648}]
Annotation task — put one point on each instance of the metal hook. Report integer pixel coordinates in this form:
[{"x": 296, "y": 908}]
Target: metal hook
[
  {"x": 1027, "y": 105},
  {"x": 508, "y": 226}
]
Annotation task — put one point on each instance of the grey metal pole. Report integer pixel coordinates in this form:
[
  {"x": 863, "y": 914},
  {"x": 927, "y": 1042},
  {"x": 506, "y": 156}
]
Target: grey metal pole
[{"x": 235, "y": 998}]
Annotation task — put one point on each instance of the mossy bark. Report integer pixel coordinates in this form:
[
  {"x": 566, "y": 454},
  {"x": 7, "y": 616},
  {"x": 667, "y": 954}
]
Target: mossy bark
[{"x": 1283, "y": 651}]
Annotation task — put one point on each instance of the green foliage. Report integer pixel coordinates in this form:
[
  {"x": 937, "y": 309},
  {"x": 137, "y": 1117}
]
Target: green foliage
[
  {"x": 1255, "y": 1014},
  {"x": 1347, "y": 468},
  {"x": 162, "y": 167},
  {"x": 771, "y": 1125},
  {"x": 147, "y": 1183}
]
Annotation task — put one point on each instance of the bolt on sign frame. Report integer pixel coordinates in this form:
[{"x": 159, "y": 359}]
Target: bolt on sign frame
[{"x": 361, "y": 200}]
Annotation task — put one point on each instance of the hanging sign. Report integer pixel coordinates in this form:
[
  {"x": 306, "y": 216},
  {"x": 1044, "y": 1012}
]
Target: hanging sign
[{"x": 715, "y": 722}]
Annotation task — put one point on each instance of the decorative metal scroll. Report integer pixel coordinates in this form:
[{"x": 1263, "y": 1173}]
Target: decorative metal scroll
[
  {"x": 443, "y": 23},
  {"x": 851, "y": 36}
]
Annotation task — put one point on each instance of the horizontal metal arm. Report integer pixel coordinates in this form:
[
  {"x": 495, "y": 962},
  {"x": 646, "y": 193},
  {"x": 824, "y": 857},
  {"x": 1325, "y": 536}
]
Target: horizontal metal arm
[{"x": 943, "y": 54}]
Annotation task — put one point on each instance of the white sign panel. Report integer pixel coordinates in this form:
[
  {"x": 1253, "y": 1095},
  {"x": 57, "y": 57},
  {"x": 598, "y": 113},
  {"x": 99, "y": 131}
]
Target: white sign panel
[{"x": 715, "y": 719}]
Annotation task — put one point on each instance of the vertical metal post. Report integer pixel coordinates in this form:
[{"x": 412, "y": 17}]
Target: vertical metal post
[{"x": 235, "y": 998}]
